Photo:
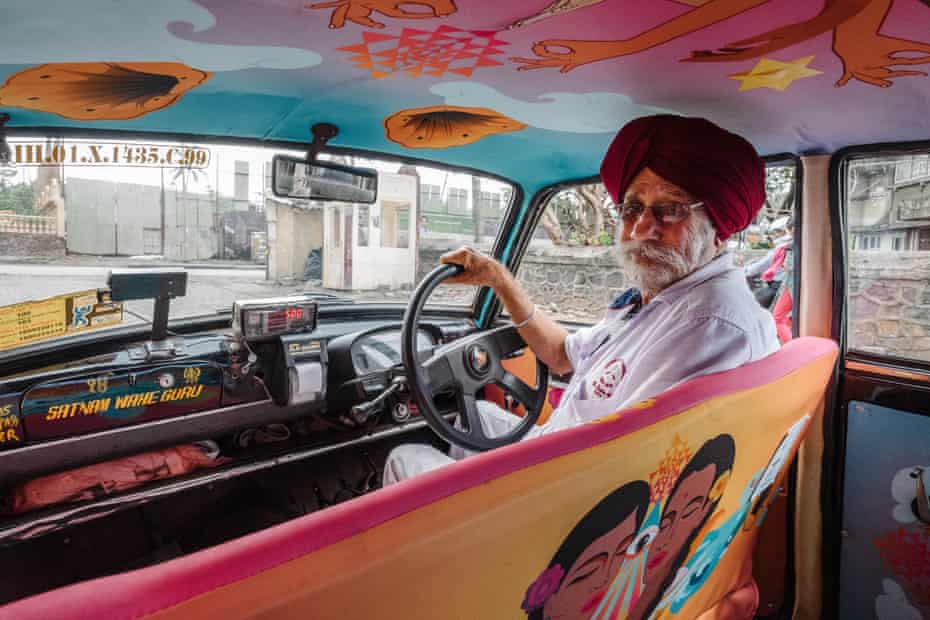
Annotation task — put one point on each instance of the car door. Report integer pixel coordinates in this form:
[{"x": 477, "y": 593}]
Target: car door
[{"x": 878, "y": 527}]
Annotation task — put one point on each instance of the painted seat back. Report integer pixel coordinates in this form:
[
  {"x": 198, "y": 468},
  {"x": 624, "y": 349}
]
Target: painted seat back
[{"x": 650, "y": 512}]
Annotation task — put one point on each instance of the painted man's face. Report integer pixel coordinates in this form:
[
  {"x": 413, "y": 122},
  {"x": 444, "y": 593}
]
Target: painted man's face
[
  {"x": 587, "y": 579},
  {"x": 683, "y": 514}
]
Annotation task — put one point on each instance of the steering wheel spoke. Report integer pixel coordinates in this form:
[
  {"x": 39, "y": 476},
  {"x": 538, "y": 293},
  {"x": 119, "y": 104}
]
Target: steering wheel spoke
[
  {"x": 440, "y": 374},
  {"x": 518, "y": 389},
  {"x": 472, "y": 420},
  {"x": 507, "y": 340}
]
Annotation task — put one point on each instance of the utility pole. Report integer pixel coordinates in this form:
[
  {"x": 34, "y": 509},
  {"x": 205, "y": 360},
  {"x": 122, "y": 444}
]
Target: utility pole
[
  {"x": 162, "y": 207},
  {"x": 476, "y": 206}
]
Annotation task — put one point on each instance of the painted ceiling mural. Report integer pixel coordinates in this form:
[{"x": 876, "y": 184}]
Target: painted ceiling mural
[{"x": 532, "y": 90}]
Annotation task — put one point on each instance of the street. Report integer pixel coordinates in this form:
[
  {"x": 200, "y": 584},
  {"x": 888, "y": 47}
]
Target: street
[
  {"x": 208, "y": 289},
  {"x": 211, "y": 286}
]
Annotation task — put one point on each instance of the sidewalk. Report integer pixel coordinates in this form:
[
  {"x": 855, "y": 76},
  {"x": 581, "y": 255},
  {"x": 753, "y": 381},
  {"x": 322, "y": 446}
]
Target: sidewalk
[{"x": 128, "y": 262}]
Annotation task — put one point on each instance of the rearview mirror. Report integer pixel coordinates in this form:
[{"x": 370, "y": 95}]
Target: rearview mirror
[{"x": 320, "y": 180}]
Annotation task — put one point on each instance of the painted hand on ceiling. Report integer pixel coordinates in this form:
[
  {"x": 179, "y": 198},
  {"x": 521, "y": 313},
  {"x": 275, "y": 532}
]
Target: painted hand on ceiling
[
  {"x": 556, "y": 8},
  {"x": 583, "y": 52},
  {"x": 834, "y": 12},
  {"x": 867, "y": 55},
  {"x": 359, "y": 11}
]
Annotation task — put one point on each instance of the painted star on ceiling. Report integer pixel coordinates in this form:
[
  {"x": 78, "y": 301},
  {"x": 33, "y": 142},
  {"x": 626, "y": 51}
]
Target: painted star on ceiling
[{"x": 775, "y": 74}]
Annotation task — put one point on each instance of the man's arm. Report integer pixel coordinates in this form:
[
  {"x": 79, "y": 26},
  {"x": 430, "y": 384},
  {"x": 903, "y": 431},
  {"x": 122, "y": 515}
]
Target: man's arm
[{"x": 544, "y": 336}]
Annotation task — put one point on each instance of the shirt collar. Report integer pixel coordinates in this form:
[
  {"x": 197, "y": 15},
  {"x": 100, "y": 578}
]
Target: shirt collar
[{"x": 717, "y": 266}]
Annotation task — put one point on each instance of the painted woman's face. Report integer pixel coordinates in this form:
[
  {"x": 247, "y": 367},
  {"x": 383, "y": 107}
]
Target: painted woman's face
[
  {"x": 587, "y": 580},
  {"x": 683, "y": 514}
]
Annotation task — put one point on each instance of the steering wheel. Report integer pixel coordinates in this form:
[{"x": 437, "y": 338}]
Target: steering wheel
[{"x": 465, "y": 366}]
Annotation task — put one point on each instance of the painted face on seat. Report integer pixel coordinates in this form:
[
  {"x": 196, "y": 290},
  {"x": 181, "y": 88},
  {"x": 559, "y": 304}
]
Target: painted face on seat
[
  {"x": 579, "y": 573},
  {"x": 692, "y": 501},
  {"x": 684, "y": 513},
  {"x": 587, "y": 579}
]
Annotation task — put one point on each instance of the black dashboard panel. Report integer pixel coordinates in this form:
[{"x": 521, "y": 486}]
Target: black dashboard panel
[
  {"x": 240, "y": 376},
  {"x": 380, "y": 350}
]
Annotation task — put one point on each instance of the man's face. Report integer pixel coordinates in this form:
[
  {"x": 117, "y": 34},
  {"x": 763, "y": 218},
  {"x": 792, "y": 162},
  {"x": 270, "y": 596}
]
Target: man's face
[{"x": 655, "y": 254}]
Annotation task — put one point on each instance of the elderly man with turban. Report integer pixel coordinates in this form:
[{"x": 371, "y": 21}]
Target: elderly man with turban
[{"x": 683, "y": 186}]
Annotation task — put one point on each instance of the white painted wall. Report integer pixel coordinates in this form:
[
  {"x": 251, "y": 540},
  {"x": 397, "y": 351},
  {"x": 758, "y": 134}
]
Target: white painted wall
[{"x": 374, "y": 265}]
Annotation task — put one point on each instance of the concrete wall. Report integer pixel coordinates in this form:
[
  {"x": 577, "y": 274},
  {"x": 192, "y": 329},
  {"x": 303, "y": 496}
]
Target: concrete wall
[
  {"x": 381, "y": 263},
  {"x": 378, "y": 263},
  {"x": 26, "y": 244},
  {"x": 292, "y": 233},
  {"x": 107, "y": 218}
]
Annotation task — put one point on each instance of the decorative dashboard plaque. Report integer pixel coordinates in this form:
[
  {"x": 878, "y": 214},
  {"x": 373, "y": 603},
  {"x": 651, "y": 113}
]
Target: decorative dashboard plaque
[
  {"x": 11, "y": 431},
  {"x": 98, "y": 402},
  {"x": 47, "y": 319}
]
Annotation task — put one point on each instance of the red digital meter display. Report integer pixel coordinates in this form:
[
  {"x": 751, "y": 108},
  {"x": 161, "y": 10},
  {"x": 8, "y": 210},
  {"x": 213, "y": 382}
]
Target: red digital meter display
[{"x": 267, "y": 318}]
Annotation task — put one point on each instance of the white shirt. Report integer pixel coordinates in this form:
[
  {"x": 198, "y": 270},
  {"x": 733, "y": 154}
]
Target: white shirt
[{"x": 706, "y": 322}]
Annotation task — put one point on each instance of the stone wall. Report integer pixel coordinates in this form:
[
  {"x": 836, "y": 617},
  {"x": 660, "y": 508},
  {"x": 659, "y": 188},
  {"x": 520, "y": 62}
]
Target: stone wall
[
  {"x": 889, "y": 309},
  {"x": 27, "y": 244},
  {"x": 572, "y": 283}
]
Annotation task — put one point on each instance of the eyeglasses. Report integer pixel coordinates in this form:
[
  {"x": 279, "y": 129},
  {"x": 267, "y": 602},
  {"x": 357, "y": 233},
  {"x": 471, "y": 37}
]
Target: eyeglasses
[{"x": 666, "y": 214}]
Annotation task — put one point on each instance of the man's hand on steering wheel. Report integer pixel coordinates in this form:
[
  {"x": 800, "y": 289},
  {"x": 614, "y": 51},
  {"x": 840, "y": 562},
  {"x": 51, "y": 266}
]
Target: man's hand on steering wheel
[{"x": 478, "y": 269}]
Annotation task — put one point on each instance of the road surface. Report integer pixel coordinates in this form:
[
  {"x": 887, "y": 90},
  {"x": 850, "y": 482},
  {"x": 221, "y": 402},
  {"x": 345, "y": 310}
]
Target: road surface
[{"x": 208, "y": 289}]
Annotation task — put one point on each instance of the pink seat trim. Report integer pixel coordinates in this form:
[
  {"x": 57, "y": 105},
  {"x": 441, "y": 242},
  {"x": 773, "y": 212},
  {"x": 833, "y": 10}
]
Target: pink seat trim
[{"x": 138, "y": 593}]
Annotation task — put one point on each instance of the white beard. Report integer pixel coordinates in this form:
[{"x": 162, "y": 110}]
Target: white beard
[{"x": 650, "y": 266}]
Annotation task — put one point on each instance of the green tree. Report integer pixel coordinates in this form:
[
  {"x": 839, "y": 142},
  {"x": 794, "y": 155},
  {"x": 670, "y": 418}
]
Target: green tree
[{"x": 18, "y": 198}]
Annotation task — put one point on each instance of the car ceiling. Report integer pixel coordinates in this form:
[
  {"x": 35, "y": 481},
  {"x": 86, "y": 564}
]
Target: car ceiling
[{"x": 530, "y": 90}]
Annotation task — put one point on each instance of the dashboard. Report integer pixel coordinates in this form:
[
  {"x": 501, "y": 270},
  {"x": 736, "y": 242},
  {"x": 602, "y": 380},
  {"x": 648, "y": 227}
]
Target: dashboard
[{"x": 128, "y": 396}]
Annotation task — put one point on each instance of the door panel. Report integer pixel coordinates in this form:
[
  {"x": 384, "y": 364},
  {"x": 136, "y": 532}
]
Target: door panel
[
  {"x": 881, "y": 431},
  {"x": 885, "y": 549}
]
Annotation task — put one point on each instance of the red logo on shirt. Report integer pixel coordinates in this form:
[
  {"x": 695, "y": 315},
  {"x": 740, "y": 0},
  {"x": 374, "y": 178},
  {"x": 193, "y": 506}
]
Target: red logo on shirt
[{"x": 611, "y": 375}]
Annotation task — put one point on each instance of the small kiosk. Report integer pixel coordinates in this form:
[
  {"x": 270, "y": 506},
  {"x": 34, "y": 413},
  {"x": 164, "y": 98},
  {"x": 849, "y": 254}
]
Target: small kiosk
[{"x": 368, "y": 247}]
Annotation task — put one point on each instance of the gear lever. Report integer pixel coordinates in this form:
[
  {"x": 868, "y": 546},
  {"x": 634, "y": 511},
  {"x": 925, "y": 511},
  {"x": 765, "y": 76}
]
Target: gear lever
[{"x": 362, "y": 412}]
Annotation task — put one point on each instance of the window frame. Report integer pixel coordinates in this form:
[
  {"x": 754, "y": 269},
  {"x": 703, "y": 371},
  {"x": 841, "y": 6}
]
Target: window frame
[{"x": 842, "y": 248}]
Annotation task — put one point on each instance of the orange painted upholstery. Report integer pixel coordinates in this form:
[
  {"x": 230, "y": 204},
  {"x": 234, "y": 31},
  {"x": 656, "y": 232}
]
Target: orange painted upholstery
[{"x": 651, "y": 512}]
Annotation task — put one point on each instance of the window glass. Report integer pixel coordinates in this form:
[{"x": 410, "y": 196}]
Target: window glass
[
  {"x": 64, "y": 223},
  {"x": 571, "y": 269},
  {"x": 888, "y": 215}
]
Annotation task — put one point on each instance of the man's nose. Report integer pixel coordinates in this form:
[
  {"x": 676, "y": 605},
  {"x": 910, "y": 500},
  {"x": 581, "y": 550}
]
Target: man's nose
[{"x": 646, "y": 227}]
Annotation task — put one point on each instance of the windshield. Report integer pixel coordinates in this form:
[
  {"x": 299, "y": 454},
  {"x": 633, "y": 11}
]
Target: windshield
[{"x": 209, "y": 209}]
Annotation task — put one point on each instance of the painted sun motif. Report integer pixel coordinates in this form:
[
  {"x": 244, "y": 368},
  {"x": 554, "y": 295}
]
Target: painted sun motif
[
  {"x": 663, "y": 478},
  {"x": 92, "y": 91},
  {"x": 441, "y": 127}
]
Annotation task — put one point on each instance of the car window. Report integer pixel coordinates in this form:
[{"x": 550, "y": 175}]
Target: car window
[
  {"x": 571, "y": 269},
  {"x": 887, "y": 205},
  {"x": 68, "y": 215}
]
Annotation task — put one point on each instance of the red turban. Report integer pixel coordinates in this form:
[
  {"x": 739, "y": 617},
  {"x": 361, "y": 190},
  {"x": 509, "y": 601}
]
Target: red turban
[{"x": 715, "y": 166}]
